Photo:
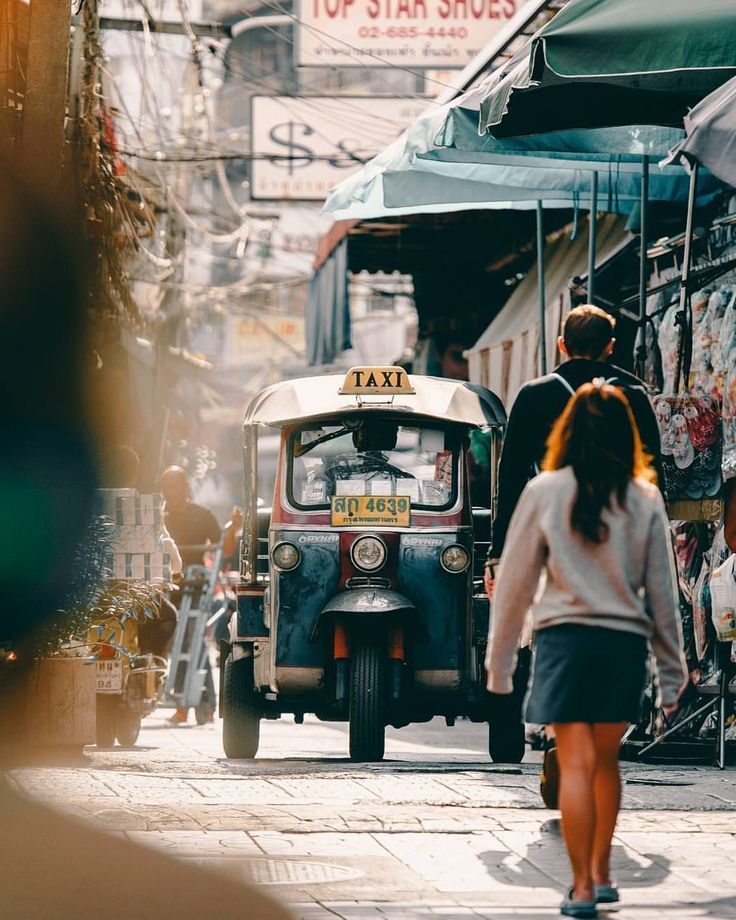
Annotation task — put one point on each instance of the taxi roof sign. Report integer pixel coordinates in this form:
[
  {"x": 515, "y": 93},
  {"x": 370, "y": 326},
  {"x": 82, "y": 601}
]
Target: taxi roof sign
[{"x": 376, "y": 381}]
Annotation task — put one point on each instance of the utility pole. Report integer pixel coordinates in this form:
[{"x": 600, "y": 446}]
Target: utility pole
[{"x": 44, "y": 106}]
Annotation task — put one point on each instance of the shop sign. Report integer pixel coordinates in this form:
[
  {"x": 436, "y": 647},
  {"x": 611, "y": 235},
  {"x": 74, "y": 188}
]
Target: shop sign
[
  {"x": 304, "y": 145},
  {"x": 249, "y": 338},
  {"x": 406, "y": 33}
]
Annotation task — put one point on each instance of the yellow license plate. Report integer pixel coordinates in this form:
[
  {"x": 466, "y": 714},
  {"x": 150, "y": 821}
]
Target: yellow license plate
[{"x": 370, "y": 511}]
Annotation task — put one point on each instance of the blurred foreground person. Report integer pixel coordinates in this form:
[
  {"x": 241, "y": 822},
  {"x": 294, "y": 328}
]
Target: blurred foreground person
[
  {"x": 595, "y": 525},
  {"x": 52, "y": 866}
]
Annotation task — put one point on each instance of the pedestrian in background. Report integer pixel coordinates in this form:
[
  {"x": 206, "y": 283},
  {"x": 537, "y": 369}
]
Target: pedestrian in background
[
  {"x": 587, "y": 344},
  {"x": 594, "y": 526}
]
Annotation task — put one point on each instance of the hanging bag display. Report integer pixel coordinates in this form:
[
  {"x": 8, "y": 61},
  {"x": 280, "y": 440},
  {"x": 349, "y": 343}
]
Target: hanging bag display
[{"x": 690, "y": 432}]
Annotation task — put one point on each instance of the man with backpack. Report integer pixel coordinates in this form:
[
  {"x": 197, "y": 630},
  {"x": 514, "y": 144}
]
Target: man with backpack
[{"x": 587, "y": 343}]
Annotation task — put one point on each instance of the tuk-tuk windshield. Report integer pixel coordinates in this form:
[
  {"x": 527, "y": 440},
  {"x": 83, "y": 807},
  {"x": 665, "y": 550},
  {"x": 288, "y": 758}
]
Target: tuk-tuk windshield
[{"x": 373, "y": 457}]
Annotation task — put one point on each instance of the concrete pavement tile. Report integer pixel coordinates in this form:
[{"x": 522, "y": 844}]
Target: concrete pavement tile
[
  {"x": 406, "y": 790},
  {"x": 358, "y": 912},
  {"x": 347, "y": 791},
  {"x": 66, "y": 784},
  {"x": 199, "y": 844},
  {"x": 319, "y": 844},
  {"x": 312, "y": 911},
  {"x": 246, "y": 792},
  {"x": 461, "y": 863}
]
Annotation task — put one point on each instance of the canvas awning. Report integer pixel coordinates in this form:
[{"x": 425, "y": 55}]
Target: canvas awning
[
  {"x": 614, "y": 62},
  {"x": 507, "y": 354},
  {"x": 710, "y": 130}
]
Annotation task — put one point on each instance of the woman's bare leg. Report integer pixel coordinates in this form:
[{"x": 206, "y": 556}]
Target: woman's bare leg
[
  {"x": 577, "y": 756},
  {"x": 607, "y": 791}
]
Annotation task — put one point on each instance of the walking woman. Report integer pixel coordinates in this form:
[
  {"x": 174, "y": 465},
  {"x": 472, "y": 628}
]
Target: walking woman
[{"x": 594, "y": 525}]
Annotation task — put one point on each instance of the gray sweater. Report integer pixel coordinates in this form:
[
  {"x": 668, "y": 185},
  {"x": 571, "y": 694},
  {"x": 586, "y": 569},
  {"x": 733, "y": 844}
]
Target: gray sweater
[{"x": 627, "y": 583}]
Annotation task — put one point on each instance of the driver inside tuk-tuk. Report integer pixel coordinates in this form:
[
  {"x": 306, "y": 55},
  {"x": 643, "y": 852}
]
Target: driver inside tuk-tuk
[{"x": 372, "y": 439}]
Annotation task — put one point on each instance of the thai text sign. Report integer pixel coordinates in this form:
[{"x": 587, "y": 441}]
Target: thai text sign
[
  {"x": 407, "y": 33},
  {"x": 304, "y": 145},
  {"x": 369, "y": 511}
]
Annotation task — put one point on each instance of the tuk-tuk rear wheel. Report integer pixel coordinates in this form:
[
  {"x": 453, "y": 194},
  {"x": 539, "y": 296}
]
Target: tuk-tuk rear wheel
[
  {"x": 241, "y": 719},
  {"x": 127, "y": 727},
  {"x": 367, "y": 711},
  {"x": 106, "y": 714}
]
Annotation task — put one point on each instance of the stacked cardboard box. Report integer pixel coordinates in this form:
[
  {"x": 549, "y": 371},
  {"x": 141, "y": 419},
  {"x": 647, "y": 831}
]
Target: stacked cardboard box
[{"x": 136, "y": 551}]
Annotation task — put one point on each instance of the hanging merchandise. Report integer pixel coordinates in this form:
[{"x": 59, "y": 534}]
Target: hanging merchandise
[
  {"x": 702, "y": 608},
  {"x": 699, "y": 338},
  {"x": 691, "y": 445},
  {"x": 723, "y": 599},
  {"x": 706, "y": 367},
  {"x": 727, "y": 372},
  {"x": 691, "y": 541},
  {"x": 668, "y": 337}
]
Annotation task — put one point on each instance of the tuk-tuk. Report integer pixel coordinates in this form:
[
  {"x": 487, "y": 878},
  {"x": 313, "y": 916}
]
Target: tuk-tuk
[{"x": 361, "y": 597}]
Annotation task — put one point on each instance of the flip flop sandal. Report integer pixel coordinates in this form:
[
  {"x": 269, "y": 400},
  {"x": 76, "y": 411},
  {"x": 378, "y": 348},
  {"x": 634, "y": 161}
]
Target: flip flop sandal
[
  {"x": 606, "y": 894},
  {"x": 576, "y": 908}
]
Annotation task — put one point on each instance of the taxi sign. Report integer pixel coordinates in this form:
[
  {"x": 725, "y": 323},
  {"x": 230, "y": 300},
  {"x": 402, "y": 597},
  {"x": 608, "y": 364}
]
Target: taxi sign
[
  {"x": 370, "y": 511},
  {"x": 376, "y": 381}
]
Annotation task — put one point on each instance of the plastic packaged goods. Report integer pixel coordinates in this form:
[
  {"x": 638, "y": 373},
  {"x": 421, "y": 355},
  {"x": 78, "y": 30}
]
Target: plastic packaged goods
[
  {"x": 706, "y": 369},
  {"x": 723, "y": 599},
  {"x": 702, "y": 608},
  {"x": 668, "y": 337},
  {"x": 726, "y": 371}
]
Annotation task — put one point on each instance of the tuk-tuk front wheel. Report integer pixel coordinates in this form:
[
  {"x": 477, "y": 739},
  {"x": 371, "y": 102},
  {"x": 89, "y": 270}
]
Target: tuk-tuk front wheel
[
  {"x": 367, "y": 712},
  {"x": 241, "y": 718}
]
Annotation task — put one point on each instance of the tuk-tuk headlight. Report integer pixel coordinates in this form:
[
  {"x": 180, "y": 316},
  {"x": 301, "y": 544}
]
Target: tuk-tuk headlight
[
  {"x": 455, "y": 558},
  {"x": 286, "y": 556},
  {"x": 368, "y": 553}
]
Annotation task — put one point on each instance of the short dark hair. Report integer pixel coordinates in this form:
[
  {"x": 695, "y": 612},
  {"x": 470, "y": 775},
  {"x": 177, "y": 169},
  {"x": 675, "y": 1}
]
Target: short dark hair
[{"x": 587, "y": 331}]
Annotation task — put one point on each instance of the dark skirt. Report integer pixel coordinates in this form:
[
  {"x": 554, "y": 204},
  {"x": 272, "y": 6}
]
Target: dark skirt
[{"x": 586, "y": 674}]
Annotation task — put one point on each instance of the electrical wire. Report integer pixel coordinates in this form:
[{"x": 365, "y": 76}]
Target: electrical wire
[{"x": 304, "y": 93}]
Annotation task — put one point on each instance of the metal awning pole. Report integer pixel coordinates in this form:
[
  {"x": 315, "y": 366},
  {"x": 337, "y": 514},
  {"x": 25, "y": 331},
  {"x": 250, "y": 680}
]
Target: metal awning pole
[
  {"x": 593, "y": 235},
  {"x": 540, "y": 281},
  {"x": 641, "y": 339},
  {"x": 685, "y": 276},
  {"x": 249, "y": 540},
  {"x": 687, "y": 256}
]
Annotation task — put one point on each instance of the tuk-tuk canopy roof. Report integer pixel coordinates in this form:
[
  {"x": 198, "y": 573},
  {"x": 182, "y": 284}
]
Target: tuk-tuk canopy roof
[{"x": 451, "y": 401}]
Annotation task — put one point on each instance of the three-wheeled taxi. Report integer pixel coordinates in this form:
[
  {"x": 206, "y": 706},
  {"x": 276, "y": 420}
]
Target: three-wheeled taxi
[{"x": 364, "y": 603}]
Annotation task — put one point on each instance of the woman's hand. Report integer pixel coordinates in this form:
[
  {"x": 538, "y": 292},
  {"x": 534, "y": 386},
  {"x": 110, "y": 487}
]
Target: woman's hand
[
  {"x": 489, "y": 577},
  {"x": 669, "y": 711}
]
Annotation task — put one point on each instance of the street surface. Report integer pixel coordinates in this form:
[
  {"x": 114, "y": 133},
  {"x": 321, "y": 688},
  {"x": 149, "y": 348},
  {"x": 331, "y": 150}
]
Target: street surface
[{"x": 435, "y": 831}]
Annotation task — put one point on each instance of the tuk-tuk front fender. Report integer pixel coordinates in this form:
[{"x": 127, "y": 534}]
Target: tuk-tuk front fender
[{"x": 365, "y": 602}]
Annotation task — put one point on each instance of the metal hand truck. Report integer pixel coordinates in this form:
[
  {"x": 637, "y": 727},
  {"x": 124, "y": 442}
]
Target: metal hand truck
[{"x": 185, "y": 685}]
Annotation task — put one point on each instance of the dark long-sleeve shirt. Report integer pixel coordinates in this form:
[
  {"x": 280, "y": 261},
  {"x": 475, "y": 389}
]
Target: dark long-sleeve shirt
[{"x": 536, "y": 409}]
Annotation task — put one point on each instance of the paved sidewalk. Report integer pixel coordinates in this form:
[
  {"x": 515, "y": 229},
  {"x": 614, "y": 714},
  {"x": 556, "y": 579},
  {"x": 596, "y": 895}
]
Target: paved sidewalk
[{"x": 434, "y": 832}]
